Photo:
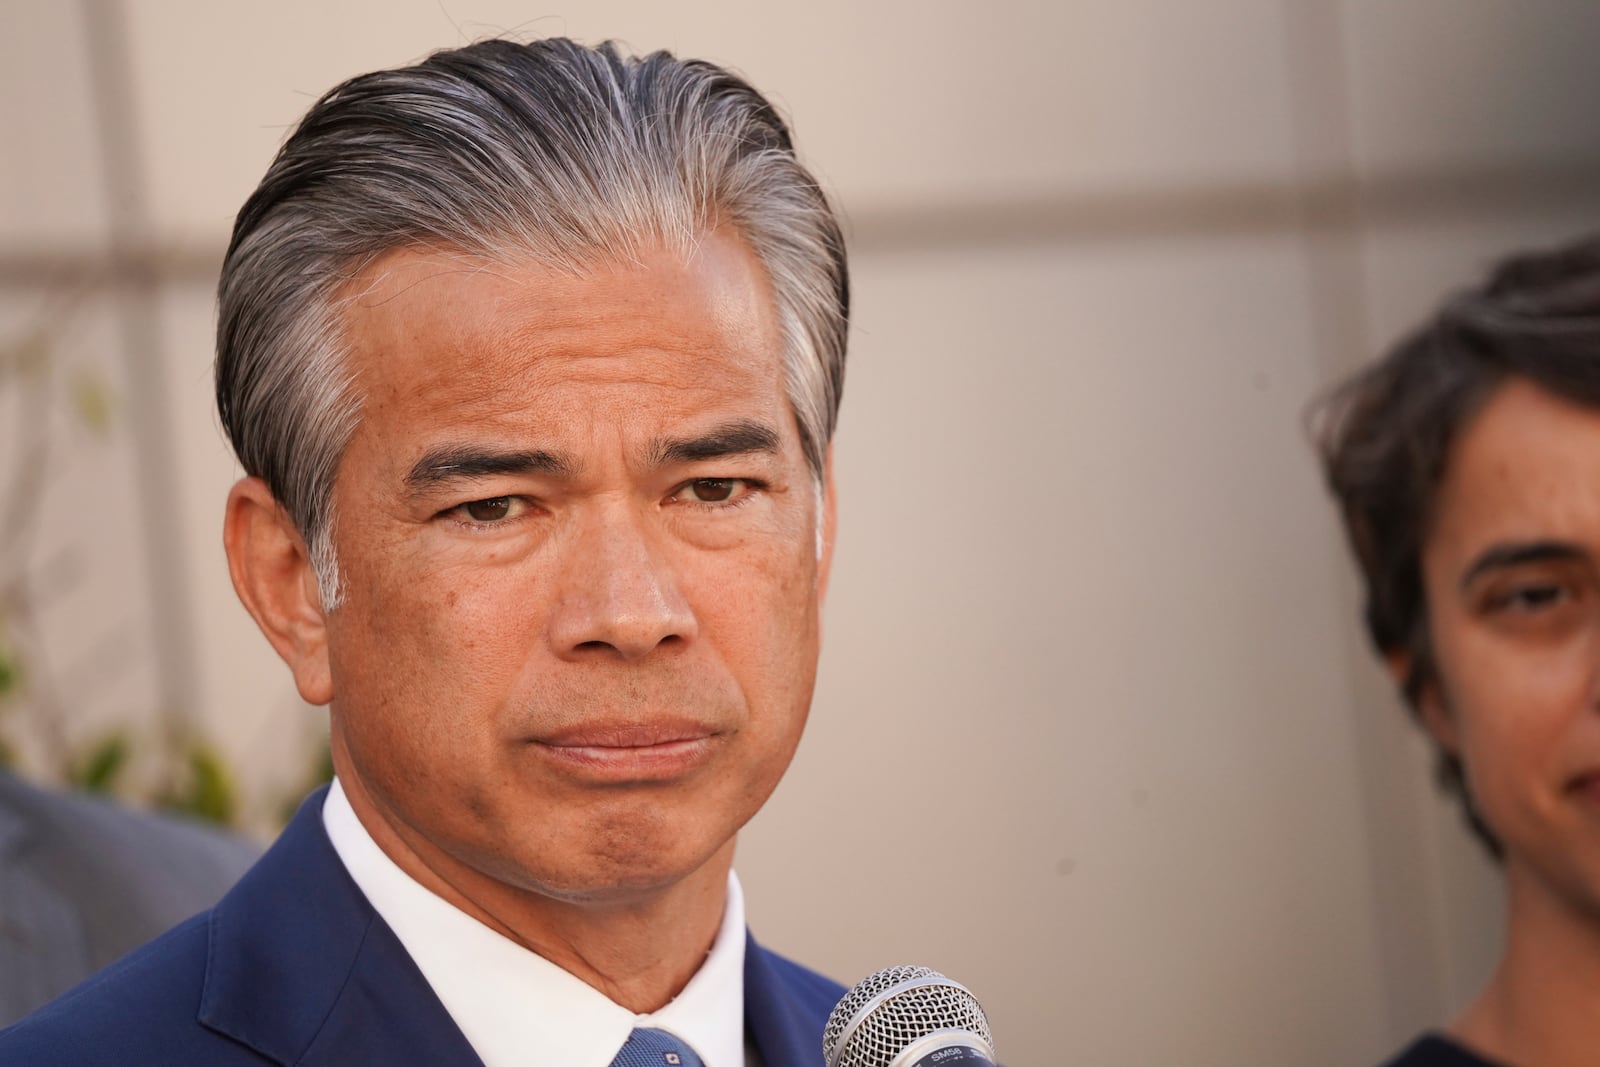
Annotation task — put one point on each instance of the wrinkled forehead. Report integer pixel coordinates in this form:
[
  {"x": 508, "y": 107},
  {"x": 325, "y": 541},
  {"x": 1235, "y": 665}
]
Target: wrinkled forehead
[{"x": 426, "y": 329}]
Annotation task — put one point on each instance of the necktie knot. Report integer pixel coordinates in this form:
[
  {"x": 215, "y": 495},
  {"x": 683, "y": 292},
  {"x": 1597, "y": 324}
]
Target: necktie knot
[{"x": 655, "y": 1048}]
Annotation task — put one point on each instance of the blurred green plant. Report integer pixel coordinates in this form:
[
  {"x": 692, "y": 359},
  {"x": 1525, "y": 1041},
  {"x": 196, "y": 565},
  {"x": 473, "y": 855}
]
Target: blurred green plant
[
  {"x": 10, "y": 673},
  {"x": 101, "y": 766},
  {"x": 190, "y": 775},
  {"x": 206, "y": 790}
]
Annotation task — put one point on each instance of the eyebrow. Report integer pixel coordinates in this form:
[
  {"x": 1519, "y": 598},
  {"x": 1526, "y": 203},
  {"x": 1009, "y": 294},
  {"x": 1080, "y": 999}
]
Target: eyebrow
[
  {"x": 1516, "y": 553},
  {"x": 450, "y": 463},
  {"x": 738, "y": 438}
]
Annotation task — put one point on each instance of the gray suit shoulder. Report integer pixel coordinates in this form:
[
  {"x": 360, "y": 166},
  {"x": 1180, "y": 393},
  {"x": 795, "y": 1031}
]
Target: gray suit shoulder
[{"x": 83, "y": 881}]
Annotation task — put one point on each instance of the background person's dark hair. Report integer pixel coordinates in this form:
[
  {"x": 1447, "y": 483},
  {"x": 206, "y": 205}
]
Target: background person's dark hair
[{"x": 1385, "y": 435}]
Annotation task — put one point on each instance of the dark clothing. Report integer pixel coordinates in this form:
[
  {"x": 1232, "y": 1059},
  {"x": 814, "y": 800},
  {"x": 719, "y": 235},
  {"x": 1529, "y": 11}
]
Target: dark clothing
[
  {"x": 83, "y": 882},
  {"x": 295, "y": 967},
  {"x": 1436, "y": 1050}
]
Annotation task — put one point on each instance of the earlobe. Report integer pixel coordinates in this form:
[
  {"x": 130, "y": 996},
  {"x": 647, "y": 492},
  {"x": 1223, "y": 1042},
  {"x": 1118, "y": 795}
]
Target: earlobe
[
  {"x": 1431, "y": 708},
  {"x": 272, "y": 575},
  {"x": 1437, "y": 720}
]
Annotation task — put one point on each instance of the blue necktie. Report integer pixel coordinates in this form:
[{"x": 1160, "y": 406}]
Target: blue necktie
[{"x": 655, "y": 1048}]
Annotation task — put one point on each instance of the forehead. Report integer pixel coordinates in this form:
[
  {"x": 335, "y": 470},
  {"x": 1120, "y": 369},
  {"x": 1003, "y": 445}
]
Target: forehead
[
  {"x": 426, "y": 328},
  {"x": 1526, "y": 466}
]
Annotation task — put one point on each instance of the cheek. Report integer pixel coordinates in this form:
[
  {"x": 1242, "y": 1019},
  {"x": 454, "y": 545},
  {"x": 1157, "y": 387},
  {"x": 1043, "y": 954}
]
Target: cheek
[
  {"x": 404, "y": 597},
  {"x": 761, "y": 620},
  {"x": 430, "y": 653},
  {"x": 1514, "y": 711},
  {"x": 776, "y": 620},
  {"x": 793, "y": 675}
]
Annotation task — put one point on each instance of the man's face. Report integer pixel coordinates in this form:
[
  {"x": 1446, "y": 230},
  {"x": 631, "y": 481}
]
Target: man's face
[
  {"x": 1512, "y": 574},
  {"x": 580, "y": 548}
]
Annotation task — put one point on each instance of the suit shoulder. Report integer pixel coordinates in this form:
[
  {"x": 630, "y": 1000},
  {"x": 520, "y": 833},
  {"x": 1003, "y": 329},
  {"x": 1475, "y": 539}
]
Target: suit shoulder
[
  {"x": 141, "y": 1010},
  {"x": 81, "y": 844},
  {"x": 89, "y": 825}
]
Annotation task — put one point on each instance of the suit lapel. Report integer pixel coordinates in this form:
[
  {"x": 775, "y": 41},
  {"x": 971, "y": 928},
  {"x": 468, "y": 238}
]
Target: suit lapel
[
  {"x": 387, "y": 1013},
  {"x": 784, "y": 1033},
  {"x": 302, "y": 969}
]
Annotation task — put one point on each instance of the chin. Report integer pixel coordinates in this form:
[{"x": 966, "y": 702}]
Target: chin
[
  {"x": 617, "y": 860},
  {"x": 605, "y": 883}
]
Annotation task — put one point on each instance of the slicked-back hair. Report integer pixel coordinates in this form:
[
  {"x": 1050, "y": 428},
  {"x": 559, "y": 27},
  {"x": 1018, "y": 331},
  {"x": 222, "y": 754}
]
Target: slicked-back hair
[
  {"x": 1386, "y": 436},
  {"x": 549, "y": 152}
]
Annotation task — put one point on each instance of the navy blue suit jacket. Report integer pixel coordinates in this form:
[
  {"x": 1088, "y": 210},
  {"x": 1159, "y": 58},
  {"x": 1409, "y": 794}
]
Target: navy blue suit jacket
[{"x": 295, "y": 967}]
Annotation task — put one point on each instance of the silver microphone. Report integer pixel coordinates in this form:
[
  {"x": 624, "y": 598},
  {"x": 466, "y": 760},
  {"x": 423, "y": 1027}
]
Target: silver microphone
[{"x": 907, "y": 1017}]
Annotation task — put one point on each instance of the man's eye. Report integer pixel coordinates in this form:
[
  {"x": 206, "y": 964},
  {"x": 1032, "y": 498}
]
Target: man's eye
[
  {"x": 491, "y": 510},
  {"x": 715, "y": 491}
]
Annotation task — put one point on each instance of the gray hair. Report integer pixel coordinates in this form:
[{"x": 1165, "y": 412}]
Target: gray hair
[{"x": 550, "y": 150}]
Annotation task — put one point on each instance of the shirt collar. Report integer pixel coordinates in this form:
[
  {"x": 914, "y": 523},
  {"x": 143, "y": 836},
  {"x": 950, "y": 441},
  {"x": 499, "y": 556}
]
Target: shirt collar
[{"x": 514, "y": 1006}]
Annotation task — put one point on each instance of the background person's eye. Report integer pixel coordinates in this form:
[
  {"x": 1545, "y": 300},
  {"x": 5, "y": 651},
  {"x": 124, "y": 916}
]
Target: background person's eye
[
  {"x": 1531, "y": 598},
  {"x": 1536, "y": 596}
]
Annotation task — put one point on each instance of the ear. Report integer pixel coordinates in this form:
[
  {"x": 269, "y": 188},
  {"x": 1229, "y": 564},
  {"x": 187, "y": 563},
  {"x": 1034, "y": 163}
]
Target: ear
[
  {"x": 1431, "y": 707},
  {"x": 271, "y": 571},
  {"x": 829, "y": 522}
]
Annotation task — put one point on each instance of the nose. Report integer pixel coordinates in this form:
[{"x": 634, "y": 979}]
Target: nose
[{"x": 618, "y": 593}]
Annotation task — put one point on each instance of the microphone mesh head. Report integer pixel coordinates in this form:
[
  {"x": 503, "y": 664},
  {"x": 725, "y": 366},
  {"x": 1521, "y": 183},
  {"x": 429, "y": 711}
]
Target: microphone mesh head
[{"x": 894, "y": 1017}]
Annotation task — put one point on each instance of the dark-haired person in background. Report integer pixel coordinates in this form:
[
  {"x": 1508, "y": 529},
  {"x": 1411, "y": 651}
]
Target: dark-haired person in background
[
  {"x": 1467, "y": 467},
  {"x": 532, "y": 354}
]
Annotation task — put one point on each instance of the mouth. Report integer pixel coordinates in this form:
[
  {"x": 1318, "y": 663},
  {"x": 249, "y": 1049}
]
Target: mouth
[{"x": 630, "y": 752}]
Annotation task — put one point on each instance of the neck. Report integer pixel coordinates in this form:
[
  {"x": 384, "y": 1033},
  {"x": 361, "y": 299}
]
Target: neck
[
  {"x": 638, "y": 948},
  {"x": 1542, "y": 1007}
]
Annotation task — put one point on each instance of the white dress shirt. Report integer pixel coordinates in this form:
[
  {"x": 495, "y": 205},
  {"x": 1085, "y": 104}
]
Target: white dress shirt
[{"x": 514, "y": 1006}]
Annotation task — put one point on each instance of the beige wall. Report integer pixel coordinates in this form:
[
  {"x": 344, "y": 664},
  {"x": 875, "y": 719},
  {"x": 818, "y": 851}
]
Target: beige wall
[{"x": 1096, "y": 732}]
